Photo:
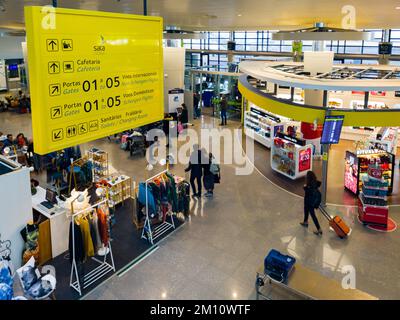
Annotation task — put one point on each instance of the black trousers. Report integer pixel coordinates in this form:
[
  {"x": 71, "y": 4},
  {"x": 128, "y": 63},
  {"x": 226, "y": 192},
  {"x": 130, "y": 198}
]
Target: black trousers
[
  {"x": 192, "y": 180},
  {"x": 309, "y": 210}
]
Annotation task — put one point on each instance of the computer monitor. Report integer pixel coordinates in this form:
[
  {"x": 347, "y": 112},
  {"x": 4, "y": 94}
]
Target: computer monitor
[{"x": 51, "y": 196}]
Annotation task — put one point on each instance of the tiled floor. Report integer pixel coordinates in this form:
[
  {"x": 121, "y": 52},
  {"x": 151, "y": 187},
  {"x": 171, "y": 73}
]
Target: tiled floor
[{"x": 216, "y": 254}]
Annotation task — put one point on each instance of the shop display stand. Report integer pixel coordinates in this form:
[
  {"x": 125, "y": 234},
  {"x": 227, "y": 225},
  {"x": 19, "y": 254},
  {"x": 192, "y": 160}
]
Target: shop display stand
[
  {"x": 101, "y": 270},
  {"x": 372, "y": 202},
  {"x": 148, "y": 232},
  {"x": 261, "y": 126},
  {"x": 293, "y": 162},
  {"x": 360, "y": 167},
  {"x": 120, "y": 190},
  {"x": 99, "y": 160}
]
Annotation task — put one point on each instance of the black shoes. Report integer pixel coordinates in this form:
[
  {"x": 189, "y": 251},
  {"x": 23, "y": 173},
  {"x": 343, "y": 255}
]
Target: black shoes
[{"x": 304, "y": 224}]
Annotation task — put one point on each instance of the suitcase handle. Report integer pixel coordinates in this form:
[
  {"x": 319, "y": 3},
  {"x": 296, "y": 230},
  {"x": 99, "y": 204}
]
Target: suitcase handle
[{"x": 279, "y": 281}]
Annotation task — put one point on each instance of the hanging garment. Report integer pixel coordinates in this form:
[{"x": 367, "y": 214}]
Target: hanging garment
[
  {"x": 78, "y": 240},
  {"x": 164, "y": 209},
  {"x": 87, "y": 239},
  {"x": 150, "y": 197},
  {"x": 103, "y": 226},
  {"x": 172, "y": 195},
  {"x": 94, "y": 231}
]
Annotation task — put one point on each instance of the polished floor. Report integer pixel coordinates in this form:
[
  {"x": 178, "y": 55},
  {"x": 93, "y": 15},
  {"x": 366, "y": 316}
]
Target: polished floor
[{"x": 217, "y": 253}]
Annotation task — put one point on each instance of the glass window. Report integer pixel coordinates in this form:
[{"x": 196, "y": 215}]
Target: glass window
[
  {"x": 239, "y": 34},
  {"x": 213, "y": 35},
  {"x": 370, "y": 50},
  {"x": 251, "y": 47},
  {"x": 351, "y": 49}
]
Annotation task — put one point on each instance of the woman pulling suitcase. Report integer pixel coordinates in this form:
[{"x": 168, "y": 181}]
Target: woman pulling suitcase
[{"x": 312, "y": 199}]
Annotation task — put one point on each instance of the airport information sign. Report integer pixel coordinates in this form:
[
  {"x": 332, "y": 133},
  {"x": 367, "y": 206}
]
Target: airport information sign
[{"x": 92, "y": 74}]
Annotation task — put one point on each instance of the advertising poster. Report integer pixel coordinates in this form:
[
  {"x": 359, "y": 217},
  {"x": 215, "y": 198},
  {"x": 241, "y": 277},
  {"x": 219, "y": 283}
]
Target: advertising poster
[
  {"x": 305, "y": 159},
  {"x": 351, "y": 172}
]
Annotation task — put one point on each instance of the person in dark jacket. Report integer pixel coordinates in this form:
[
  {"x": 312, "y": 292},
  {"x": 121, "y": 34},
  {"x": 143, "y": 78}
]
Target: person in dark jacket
[
  {"x": 166, "y": 121},
  {"x": 208, "y": 178},
  {"x": 224, "y": 108},
  {"x": 196, "y": 101},
  {"x": 312, "y": 184},
  {"x": 196, "y": 170},
  {"x": 184, "y": 117}
]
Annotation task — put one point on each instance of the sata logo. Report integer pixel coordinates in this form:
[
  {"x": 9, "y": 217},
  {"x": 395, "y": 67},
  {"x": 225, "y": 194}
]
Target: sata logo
[{"x": 101, "y": 47}]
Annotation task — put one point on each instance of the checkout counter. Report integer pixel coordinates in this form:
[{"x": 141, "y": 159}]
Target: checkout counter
[{"x": 53, "y": 226}]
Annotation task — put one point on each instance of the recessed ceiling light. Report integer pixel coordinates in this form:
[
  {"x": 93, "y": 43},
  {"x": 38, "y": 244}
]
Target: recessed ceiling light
[
  {"x": 239, "y": 15},
  {"x": 397, "y": 8}
]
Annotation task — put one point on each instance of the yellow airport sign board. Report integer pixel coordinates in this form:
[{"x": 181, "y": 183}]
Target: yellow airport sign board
[{"x": 92, "y": 74}]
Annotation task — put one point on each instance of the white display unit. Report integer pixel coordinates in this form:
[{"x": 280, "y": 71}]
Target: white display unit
[
  {"x": 261, "y": 126},
  {"x": 291, "y": 157},
  {"x": 16, "y": 208}
]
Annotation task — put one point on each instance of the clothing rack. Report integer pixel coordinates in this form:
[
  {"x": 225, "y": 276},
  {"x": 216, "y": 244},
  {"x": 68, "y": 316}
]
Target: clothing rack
[
  {"x": 158, "y": 231},
  {"x": 101, "y": 270}
]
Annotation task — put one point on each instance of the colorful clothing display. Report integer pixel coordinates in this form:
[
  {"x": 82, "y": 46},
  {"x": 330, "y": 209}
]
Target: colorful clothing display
[
  {"x": 164, "y": 194},
  {"x": 91, "y": 232}
]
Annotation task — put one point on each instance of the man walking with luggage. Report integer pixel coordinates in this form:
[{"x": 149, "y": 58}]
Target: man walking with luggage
[{"x": 196, "y": 170}]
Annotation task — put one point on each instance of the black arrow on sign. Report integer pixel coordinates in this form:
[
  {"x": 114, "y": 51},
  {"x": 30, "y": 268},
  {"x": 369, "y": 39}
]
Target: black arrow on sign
[
  {"x": 83, "y": 128},
  {"x": 52, "y": 43},
  {"x": 57, "y": 135},
  {"x": 54, "y": 66},
  {"x": 57, "y": 112},
  {"x": 55, "y": 89}
]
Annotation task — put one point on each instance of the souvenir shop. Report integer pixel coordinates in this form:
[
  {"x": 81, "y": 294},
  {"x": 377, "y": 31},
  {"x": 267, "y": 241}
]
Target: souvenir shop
[
  {"x": 85, "y": 219},
  {"x": 292, "y": 147}
]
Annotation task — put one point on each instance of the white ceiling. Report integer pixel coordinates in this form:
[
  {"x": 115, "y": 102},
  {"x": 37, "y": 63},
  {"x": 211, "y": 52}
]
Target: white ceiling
[{"x": 223, "y": 14}]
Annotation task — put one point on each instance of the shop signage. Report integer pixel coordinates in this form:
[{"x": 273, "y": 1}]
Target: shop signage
[
  {"x": 305, "y": 160},
  {"x": 266, "y": 115},
  {"x": 300, "y": 142},
  {"x": 94, "y": 74}
]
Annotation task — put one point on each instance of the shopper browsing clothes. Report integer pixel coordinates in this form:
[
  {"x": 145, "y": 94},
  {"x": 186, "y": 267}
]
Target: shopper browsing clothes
[
  {"x": 224, "y": 108},
  {"x": 310, "y": 198},
  {"x": 196, "y": 170}
]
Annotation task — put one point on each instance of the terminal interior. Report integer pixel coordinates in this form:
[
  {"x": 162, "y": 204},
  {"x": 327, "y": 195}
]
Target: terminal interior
[{"x": 278, "y": 94}]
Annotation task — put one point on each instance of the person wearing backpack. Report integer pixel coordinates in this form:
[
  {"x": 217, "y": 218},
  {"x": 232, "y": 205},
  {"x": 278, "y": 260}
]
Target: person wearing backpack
[
  {"x": 210, "y": 170},
  {"x": 312, "y": 200}
]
